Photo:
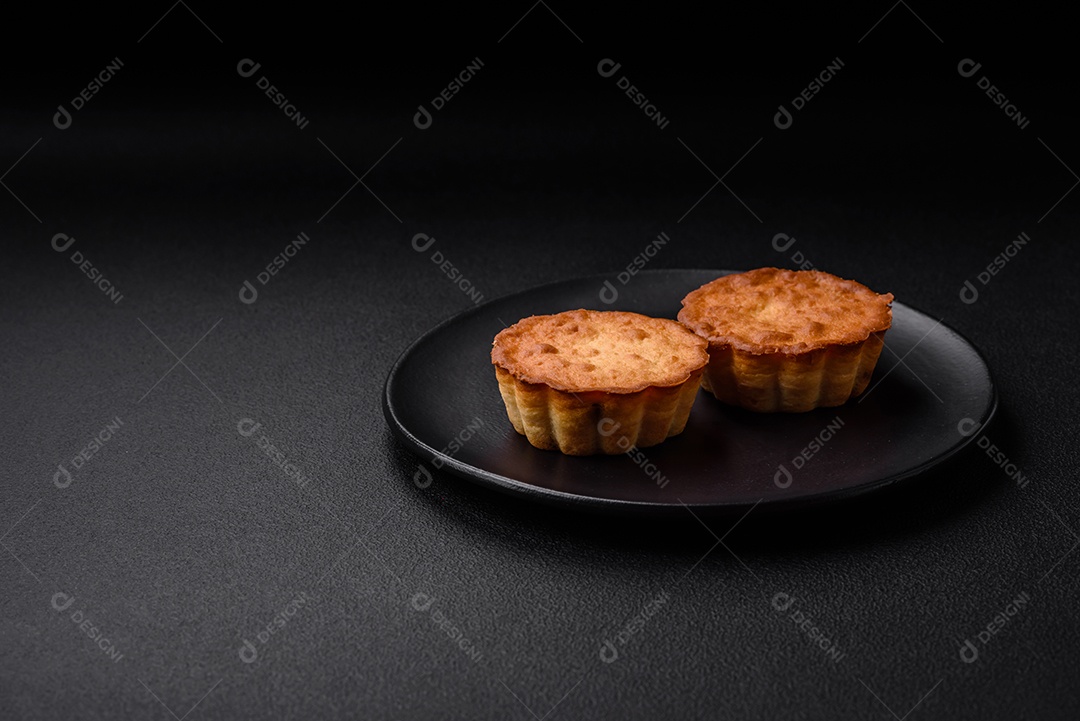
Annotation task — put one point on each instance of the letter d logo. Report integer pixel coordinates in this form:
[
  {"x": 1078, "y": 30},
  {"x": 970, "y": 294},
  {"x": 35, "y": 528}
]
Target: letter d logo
[
  {"x": 246, "y": 68},
  {"x": 782, "y": 241},
  {"x": 62, "y": 118},
  {"x": 248, "y": 294},
  {"x": 782, "y": 119},
  {"x": 782, "y": 478},
  {"x": 421, "y": 601},
  {"x": 62, "y": 601},
  {"x": 247, "y": 427},
  {"x": 62, "y": 237},
  {"x": 607, "y": 67},
  {"x": 782, "y": 601},
  {"x": 421, "y": 242},
  {"x": 967, "y": 426},
  {"x": 608, "y": 652},
  {"x": 422, "y": 477},
  {"x": 607, "y": 426},
  {"x": 66, "y": 477},
  {"x": 968, "y": 652},
  {"x": 968, "y": 67},
  {"x": 422, "y": 119},
  {"x": 969, "y": 293},
  {"x": 609, "y": 293},
  {"x": 248, "y": 652}
]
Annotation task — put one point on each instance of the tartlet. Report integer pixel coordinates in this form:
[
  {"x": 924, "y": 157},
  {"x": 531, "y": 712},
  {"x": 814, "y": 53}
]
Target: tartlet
[
  {"x": 590, "y": 382},
  {"x": 788, "y": 341}
]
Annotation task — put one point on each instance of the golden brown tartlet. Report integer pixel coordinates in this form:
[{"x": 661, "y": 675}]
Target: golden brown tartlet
[
  {"x": 786, "y": 340},
  {"x": 586, "y": 382}
]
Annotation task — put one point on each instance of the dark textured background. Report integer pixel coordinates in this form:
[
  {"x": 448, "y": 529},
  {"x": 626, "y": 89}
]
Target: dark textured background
[{"x": 180, "y": 538}]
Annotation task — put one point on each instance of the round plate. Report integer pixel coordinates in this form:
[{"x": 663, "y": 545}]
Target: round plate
[{"x": 443, "y": 401}]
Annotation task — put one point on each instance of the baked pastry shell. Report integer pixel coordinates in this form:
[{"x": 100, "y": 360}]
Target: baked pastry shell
[
  {"x": 791, "y": 383},
  {"x": 788, "y": 341},
  {"x": 596, "y": 422}
]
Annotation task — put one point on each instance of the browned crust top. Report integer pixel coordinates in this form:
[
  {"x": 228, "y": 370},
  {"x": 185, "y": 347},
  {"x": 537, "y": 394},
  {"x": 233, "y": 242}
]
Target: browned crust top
[
  {"x": 589, "y": 350},
  {"x": 770, "y": 310}
]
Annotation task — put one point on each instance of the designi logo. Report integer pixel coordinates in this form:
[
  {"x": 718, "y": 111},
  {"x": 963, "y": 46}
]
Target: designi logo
[
  {"x": 421, "y": 601},
  {"x": 62, "y": 601},
  {"x": 248, "y": 652}
]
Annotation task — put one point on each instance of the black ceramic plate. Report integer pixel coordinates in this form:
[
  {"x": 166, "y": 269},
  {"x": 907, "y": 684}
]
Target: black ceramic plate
[{"x": 930, "y": 390}]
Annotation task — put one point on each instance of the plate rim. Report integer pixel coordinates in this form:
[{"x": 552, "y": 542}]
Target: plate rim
[{"x": 522, "y": 489}]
